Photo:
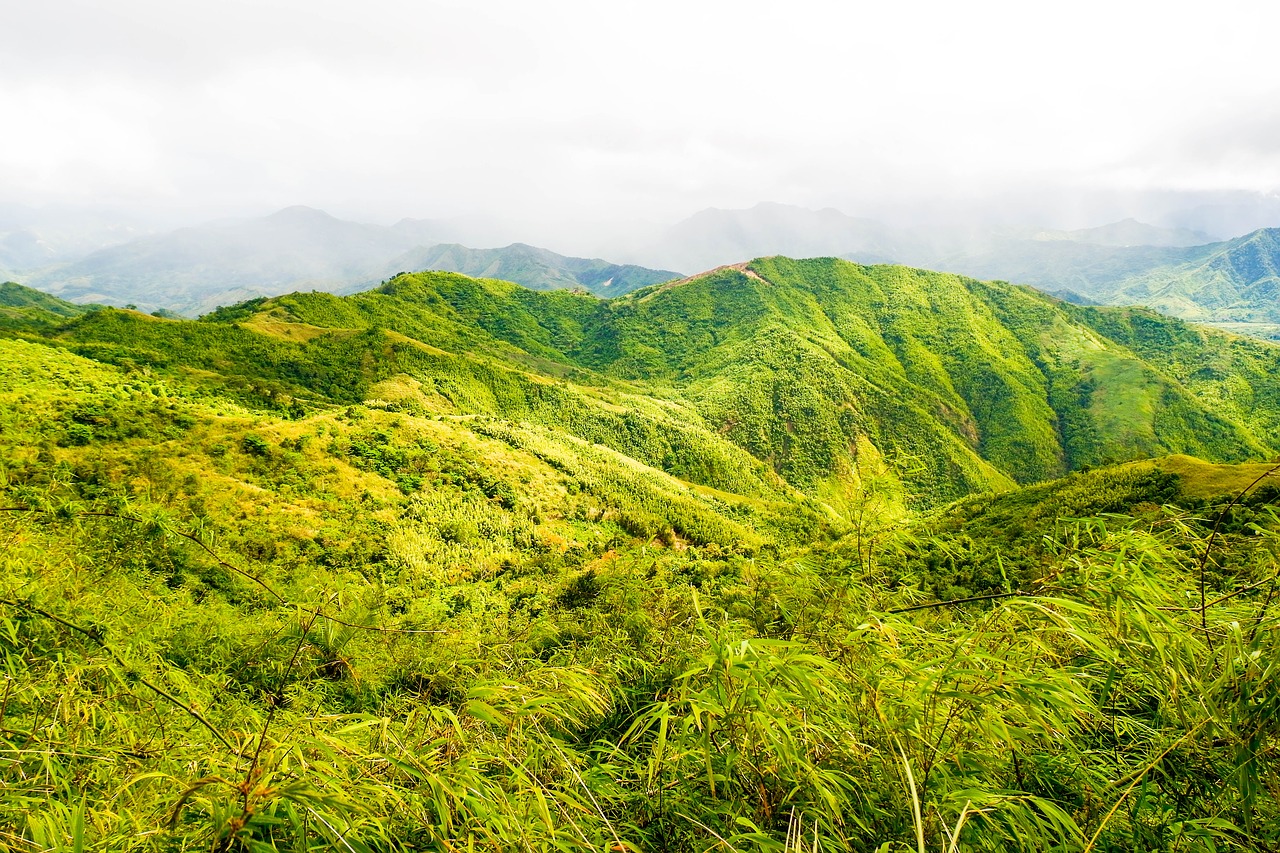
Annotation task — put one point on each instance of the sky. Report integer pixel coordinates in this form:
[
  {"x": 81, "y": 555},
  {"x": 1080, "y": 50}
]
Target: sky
[{"x": 592, "y": 113}]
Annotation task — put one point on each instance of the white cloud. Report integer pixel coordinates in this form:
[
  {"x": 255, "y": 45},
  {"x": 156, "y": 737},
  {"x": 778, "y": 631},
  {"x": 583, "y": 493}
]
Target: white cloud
[{"x": 657, "y": 108}]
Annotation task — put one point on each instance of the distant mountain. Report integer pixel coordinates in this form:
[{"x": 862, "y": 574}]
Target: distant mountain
[
  {"x": 1234, "y": 282},
  {"x": 715, "y": 237},
  {"x": 194, "y": 270},
  {"x": 1237, "y": 281},
  {"x": 537, "y": 269},
  {"x": 1128, "y": 232},
  {"x": 33, "y": 239},
  {"x": 1229, "y": 213},
  {"x": 1053, "y": 265}
]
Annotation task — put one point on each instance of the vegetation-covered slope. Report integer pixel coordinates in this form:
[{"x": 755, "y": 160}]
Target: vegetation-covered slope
[
  {"x": 535, "y": 268},
  {"x": 24, "y": 308},
  {"x": 231, "y": 622},
  {"x": 1232, "y": 283},
  {"x": 838, "y": 377},
  {"x": 1236, "y": 281}
]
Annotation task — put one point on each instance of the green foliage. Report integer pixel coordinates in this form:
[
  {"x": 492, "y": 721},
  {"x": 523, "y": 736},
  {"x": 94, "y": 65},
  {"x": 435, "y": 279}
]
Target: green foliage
[
  {"x": 525, "y": 571},
  {"x": 15, "y": 297},
  {"x": 823, "y": 371}
]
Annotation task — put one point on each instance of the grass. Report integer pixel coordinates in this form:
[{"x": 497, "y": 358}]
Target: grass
[
  {"x": 1200, "y": 479},
  {"x": 492, "y": 610}
]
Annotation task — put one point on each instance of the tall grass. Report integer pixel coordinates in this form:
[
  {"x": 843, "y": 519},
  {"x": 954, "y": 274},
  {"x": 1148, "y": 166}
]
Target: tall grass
[{"x": 1097, "y": 714}]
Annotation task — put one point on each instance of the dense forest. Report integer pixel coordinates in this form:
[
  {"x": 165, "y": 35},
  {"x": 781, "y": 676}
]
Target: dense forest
[{"x": 791, "y": 556}]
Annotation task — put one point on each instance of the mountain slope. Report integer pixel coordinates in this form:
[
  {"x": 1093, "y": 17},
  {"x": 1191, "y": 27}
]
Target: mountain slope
[
  {"x": 17, "y": 297},
  {"x": 21, "y": 307},
  {"x": 837, "y": 379},
  {"x": 456, "y": 564},
  {"x": 536, "y": 269},
  {"x": 415, "y": 629},
  {"x": 1235, "y": 281},
  {"x": 1232, "y": 282}
]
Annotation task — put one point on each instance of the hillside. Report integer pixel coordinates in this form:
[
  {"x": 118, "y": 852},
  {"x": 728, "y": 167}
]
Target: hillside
[
  {"x": 1177, "y": 271},
  {"x": 24, "y": 308},
  {"x": 16, "y": 297},
  {"x": 1236, "y": 281},
  {"x": 457, "y": 565},
  {"x": 1232, "y": 283},
  {"x": 534, "y": 268},
  {"x": 835, "y": 377}
]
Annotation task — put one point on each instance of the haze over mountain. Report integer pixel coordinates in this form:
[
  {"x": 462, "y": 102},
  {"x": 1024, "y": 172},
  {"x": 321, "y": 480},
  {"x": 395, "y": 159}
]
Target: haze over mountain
[
  {"x": 537, "y": 269},
  {"x": 714, "y": 237},
  {"x": 31, "y": 238},
  {"x": 1128, "y": 232},
  {"x": 1233, "y": 282},
  {"x": 193, "y": 270}
]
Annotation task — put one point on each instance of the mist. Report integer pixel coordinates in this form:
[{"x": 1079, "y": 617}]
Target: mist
[{"x": 585, "y": 126}]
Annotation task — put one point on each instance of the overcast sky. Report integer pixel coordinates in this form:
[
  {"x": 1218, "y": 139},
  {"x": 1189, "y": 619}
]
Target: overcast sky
[{"x": 594, "y": 111}]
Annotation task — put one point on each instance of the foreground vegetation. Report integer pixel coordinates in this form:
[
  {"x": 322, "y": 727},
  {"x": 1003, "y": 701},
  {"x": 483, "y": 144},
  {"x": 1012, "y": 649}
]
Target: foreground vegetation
[{"x": 270, "y": 586}]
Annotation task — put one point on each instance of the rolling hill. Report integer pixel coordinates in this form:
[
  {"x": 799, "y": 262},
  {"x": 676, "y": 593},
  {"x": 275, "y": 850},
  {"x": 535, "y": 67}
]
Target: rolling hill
[
  {"x": 454, "y": 564},
  {"x": 534, "y": 268},
  {"x": 830, "y": 374}
]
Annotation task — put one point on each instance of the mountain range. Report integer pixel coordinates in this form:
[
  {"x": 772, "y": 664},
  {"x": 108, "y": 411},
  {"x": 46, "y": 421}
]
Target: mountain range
[
  {"x": 193, "y": 270},
  {"x": 1233, "y": 282},
  {"x": 783, "y": 555},
  {"x": 826, "y": 372},
  {"x": 1177, "y": 271}
]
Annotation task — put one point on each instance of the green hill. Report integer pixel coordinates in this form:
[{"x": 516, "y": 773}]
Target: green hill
[
  {"x": 24, "y": 308},
  {"x": 457, "y": 565},
  {"x": 535, "y": 268},
  {"x": 16, "y": 297},
  {"x": 1236, "y": 281},
  {"x": 1231, "y": 283},
  {"x": 831, "y": 374}
]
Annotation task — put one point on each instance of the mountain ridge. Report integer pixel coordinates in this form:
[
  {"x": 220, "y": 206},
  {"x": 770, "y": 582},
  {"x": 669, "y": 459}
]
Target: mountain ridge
[
  {"x": 829, "y": 373},
  {"x": 194, "y": 270}
]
